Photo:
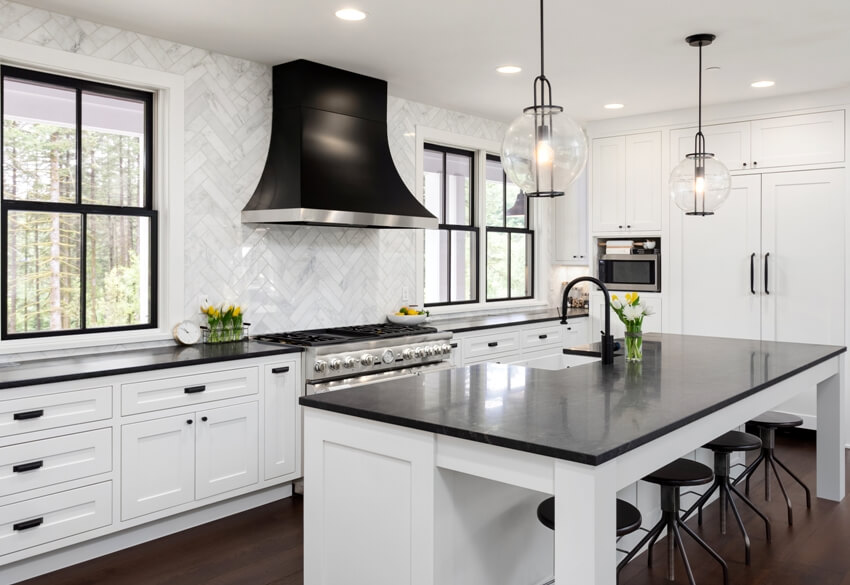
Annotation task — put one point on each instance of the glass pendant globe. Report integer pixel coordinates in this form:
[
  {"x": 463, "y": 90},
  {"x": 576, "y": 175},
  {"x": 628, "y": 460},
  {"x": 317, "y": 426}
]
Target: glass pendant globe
[
  {"x": 544, "y": 154},
  {"x": 700, "y": 193}
]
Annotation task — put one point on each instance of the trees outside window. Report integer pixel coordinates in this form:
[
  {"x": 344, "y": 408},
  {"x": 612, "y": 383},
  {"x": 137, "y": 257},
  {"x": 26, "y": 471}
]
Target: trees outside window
[{"x": 78, "y": 224}]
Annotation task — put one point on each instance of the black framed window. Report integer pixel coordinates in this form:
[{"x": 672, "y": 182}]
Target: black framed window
[
  {"x": 451, "y": 251},
  {"x": 510, "y": 241},
  {"x": 78, "y": 227}
]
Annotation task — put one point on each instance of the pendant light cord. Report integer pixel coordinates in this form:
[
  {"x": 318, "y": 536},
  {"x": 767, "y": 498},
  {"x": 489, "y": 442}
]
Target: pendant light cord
[
  {"x": 541, "y": 39},
  {"x": 700, "y": 88}
]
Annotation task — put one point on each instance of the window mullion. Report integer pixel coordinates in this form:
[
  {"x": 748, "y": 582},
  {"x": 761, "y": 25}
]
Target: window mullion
[{"x": 83, "y": 275}]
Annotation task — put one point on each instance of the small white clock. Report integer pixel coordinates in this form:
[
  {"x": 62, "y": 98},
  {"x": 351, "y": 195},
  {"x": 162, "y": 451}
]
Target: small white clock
[{"x": 187, "y": 332}]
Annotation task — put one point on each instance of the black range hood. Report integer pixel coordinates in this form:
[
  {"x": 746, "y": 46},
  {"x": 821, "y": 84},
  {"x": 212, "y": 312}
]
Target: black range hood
[{"x": 329, "y": 159}]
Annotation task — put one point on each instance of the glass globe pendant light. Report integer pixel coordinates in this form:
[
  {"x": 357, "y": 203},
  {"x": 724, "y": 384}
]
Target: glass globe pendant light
[
  {"x": 700, "y": 183},
  {"x": 544, "y": 150}
]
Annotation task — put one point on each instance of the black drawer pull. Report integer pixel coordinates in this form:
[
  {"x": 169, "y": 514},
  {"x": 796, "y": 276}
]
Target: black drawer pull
[
  {"x": 544, "y": 336},
  {"x": 454, "y": 345},
  {"x": 28, "y": 414},
  {"x": 281, "y": 370},
  {"x": 194, "y": 389},
  {"x": 28, "y": 524},
  {"x": 493, "y": 344},
  {"x": 27, "y": 466}
]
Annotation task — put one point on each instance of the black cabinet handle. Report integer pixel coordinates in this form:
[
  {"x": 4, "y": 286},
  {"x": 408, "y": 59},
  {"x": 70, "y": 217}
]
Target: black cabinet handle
[
  {"x": 281, "y": 370},
  {"x": 745, "y": 165},
  {"x": 189, "y": 421},
  {"x": 755, "y": 163},
  {"x": 544, "y": 336},
  {"x": 28, "y": 414},
  {"x": 493, "y": 344},
  {"x": 194, "y": 389},
  {"x": 203, "y": 418},
  {"x": 32, "y": 465},
  {"x": 629, "y": 227},
  {"x": 767, "y": 292},
  {"x": 619, "y": 226},
  {"x": 28, "y": 524},
  {"x": 569, "y": 328},
  {"x": 752, "y": 273},
  {"x": 454, "y": 345}
]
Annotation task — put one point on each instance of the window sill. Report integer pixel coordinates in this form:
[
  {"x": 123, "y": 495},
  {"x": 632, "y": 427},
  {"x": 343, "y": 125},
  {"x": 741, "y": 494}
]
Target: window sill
[
  {"x": 486, "y": 308},
  {"x": 79, "y": 342}
]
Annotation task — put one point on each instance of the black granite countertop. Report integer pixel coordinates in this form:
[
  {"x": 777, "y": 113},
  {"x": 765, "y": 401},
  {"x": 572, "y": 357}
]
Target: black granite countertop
[
  {"x": 45, "y": 371},
  {"x": 464, "y": 324},
  {"x": 589, "y": 414}
]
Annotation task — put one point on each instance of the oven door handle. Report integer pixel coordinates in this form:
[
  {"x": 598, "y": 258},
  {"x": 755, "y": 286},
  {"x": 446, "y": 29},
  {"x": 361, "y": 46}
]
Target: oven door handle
[{"x": 380, "y": 378}]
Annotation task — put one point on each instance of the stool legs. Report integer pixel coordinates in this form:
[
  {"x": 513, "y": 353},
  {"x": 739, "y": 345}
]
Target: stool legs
[
  {"x": 671, "y": 521},
  {"x": 768, "y": 457},
  {"x": 723, "y": 484}
]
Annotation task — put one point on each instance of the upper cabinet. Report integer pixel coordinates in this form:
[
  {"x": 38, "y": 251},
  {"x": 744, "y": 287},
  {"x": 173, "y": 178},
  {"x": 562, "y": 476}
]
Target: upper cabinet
[
  {"x": 626, "y": 189},
  {"x": 804, "y": 139},
  {"x": 569, "y": 224}
]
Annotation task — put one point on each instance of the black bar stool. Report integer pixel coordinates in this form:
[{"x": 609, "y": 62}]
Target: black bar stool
[
  {"x": 723, "y": 447},
  {"x": 671, "y": 477},
  {"x": 628, "y": 519},
  {"x": 767, "y": 424}
]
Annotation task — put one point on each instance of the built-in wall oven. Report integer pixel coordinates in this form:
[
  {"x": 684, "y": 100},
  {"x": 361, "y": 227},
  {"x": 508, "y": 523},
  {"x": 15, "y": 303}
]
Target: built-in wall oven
[{"x": 631, "y": 272}]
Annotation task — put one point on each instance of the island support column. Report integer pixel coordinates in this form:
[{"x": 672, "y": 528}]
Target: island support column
[
  {"x": 585, "y": 523},
  {"x": 831, "y": 439}
]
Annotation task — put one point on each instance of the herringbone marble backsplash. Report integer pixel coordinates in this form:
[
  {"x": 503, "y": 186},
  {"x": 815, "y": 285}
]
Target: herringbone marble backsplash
[{"x": 288, "y": 277}]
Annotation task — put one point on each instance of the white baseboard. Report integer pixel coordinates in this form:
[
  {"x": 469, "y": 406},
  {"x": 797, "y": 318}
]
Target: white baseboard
[{"x": 105, "y": 545}]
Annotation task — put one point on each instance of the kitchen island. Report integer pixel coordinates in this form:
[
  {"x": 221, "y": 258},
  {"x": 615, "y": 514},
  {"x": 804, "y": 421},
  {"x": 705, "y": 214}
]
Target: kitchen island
[{"x": 405, "y": 481}]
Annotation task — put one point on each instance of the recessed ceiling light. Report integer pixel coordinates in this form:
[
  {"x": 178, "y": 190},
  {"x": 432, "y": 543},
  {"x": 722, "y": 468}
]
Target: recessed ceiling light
[
  {"x": 765, "y": 83},
  {"x": 508, "y": 69},
  {"x": 614, "y": 106},
  {"x": 350, "y": 14}
]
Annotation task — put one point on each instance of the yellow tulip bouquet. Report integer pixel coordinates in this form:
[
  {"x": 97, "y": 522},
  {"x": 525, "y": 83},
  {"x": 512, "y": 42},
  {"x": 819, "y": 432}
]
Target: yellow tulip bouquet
[
  {"x": 631, "y": 313},
  {"x": 224, "y": 323}
]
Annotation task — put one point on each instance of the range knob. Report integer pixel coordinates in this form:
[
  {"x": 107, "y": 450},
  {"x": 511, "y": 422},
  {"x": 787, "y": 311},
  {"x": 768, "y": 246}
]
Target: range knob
[
  {"x": 430, "y": 350},
  {"x": 320, "y": 366},
  {"x": 407, "y": 354},
  {"x": 349, "y": 362},
  {"x": 447, "y": 349},
  {"x": 388, "y": 356},
  {"x": 335, "y": 364},
  {"x": 418, "y": 352},
  {"x": 367, "y": 359}
]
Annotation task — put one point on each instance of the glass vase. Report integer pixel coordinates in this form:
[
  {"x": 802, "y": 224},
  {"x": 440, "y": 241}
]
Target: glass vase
[{"x": 634, "y": 344}]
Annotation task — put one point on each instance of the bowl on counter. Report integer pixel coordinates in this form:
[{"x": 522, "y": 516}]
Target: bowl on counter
[{"x": 406, "y": 319}]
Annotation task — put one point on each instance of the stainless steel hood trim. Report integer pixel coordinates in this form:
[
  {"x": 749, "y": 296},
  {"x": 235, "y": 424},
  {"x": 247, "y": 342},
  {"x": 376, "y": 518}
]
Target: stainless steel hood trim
[{"x": 333, "y": 217}]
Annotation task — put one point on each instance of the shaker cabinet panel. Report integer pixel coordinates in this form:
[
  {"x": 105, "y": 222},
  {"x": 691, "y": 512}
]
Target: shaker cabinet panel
[
  {"x": 730, "y": 144},
  {"x": 643, "y": 182},
  {"x": 798, "y": 140},
  {"x": 609, "y": 184},
  {"x": 568, "y": 215},
  {"x": 282, "y": 420},
  {"x": 227, "y": 449}
]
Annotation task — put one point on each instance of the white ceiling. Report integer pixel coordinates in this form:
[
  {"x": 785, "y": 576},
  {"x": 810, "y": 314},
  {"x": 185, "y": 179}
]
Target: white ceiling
[{"x": 444, "y": 52}]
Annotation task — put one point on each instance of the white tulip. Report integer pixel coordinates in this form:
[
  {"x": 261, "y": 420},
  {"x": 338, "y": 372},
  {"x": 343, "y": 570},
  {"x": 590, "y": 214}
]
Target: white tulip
[
  {"x": 616, "y": 304},
  {"x": 633, "y": 312},
  {"x": 647, "y": 310}
]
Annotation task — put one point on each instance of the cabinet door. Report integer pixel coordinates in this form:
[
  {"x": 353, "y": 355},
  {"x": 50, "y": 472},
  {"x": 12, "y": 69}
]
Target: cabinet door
[
  {"x": 798, "y": 140},
  {"x": 227, "y": 449},
  {"x": 282, "y": 419},
  {"x": 157, "y": 465},
  {"x": 643, "y": 182},
  {"x": 717, "y": 296},
  {"x": 608, "y": 191},
  {"x": 803, "y": 233},
  {"x": 730, "y": 144},
  {"x": 569, "y": 224}
]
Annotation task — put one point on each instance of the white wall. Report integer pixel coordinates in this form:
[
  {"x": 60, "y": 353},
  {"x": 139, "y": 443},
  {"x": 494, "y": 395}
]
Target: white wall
[{"x": 289, "y": 277}]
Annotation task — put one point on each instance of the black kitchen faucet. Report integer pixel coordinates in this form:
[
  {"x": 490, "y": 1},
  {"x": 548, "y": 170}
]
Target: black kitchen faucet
[{"x": 607, "y": 339}]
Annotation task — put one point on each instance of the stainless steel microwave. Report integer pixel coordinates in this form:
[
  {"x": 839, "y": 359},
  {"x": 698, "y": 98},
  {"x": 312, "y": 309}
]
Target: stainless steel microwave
[{"x": 631, "y": 272}]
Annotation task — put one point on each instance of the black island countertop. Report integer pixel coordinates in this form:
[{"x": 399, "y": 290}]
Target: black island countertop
[
  {"x": 591, "y": 413},
  {"x": 90, "y": 365},
  {"x": 465, "y": 324}
]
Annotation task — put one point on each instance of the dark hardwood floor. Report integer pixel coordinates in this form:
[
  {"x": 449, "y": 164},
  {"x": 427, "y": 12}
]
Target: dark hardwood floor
[{"x": 264, "y": 546}]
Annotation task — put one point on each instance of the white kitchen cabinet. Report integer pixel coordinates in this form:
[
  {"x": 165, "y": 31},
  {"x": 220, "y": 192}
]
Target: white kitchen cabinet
[
  {"x": 626, "y": 192},
  {"x": 519, "y": 344},
  {"x": 175, "y": 460},
  {"x": 282, "y": 420},
  {"x": 158, "y": 465},
  {"x": 226, "y": 449},
  {"x": 568, "y": 216},
  {"x": 787, "y": 231},
  {"x": 721, "y": 266},
  {"x": 782, "y": 141}
]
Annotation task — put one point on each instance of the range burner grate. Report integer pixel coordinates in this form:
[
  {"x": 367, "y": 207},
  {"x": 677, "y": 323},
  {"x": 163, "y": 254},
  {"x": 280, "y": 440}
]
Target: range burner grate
[{"x": 315, "y": 337}]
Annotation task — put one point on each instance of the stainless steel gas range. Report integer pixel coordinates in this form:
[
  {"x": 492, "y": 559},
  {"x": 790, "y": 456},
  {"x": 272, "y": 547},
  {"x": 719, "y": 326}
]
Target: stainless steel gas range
[{"x": 345, "y": 357}]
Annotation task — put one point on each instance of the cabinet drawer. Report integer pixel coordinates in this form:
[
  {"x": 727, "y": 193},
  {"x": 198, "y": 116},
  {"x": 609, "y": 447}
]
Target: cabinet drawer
[
  {"x": 543, "y": 336},
  {"x": 176, "y": 391},
  {"x": 50, "y": 461},
  {"x": 485, "y": 345},
  {"x": 38, "y": 413},
  {"x": 41, "y": 520}
]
